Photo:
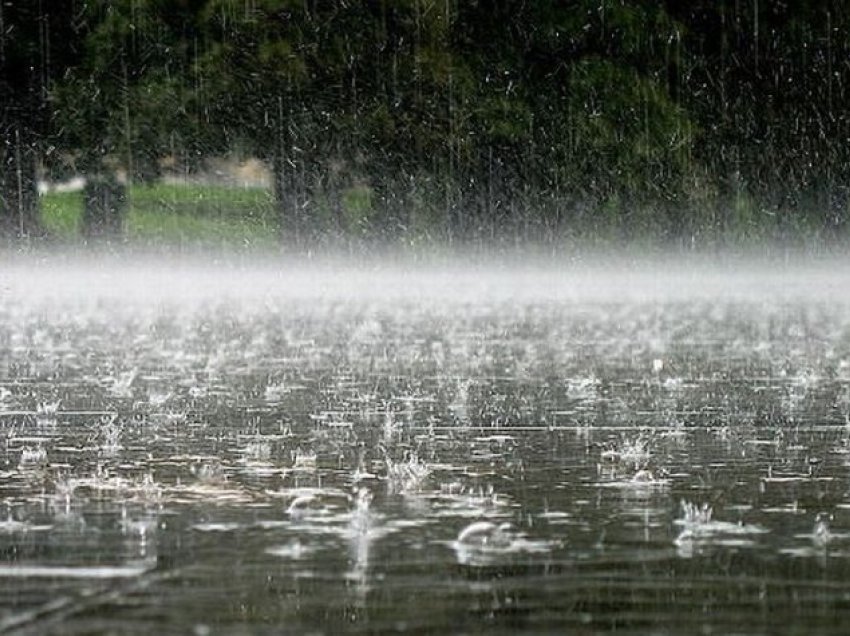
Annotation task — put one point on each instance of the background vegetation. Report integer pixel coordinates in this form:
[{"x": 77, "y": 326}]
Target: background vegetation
[{"x": 412, "y": 121}]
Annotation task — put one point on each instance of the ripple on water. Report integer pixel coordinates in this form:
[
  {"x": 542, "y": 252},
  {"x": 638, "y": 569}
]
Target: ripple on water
[
  {"x": 484, "y": 543},
  {"x": 218, "y": 526},
  {"x": 33, "y": 571},
  {"x": 294, "y": 550}
]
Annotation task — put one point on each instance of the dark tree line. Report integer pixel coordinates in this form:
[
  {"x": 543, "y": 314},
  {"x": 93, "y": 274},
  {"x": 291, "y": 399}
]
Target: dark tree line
[
  {"x": 458, "y": 119},
  {"x": 36, "y": 46}
]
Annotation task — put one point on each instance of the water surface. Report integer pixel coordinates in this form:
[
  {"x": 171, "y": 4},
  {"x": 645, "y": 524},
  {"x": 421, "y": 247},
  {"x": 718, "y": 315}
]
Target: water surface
[{"x": 217, "y": 449}]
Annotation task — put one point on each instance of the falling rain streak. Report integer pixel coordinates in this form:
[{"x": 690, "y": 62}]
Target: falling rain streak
[
  {"x": 429, "y": 122},
  {"x": 403, "y": 361}
]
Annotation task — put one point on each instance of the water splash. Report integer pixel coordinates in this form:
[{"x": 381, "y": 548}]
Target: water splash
[
  {"x": 822, "y": 533},
  {"x": 701, "y": 530},
  {"x": 122, "y": 386},
  {"x": 304, "y": 461},
  {"x": 406, "y": 476},
  {"x": 32, "y": 458},
  {"x": 483, "y": 543},
  {"x": 46, "y": 411},
  {"x": 633, "y": 453}
]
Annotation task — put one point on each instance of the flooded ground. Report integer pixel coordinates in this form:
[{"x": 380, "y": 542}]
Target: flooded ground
[{"x": 221, "y": 450}]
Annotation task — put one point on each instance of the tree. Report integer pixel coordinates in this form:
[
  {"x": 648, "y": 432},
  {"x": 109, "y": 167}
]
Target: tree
[
  {"x": 39, "y": 41},
  {"x": 574, "y": 99},
  {"x": 128, "y": 101},
  {"x": 769, "y": 87},
  {"x": 322, "y": 91}
]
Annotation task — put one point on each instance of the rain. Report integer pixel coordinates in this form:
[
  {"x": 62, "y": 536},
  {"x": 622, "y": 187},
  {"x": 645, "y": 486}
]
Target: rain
[{"x": 427, "y": 317}]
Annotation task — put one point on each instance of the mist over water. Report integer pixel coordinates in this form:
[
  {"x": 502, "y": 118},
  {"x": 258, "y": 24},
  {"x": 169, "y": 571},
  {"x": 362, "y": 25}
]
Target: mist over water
[
  {"x": 151, "y": 278},
  {"x": 602, "y": 443}
]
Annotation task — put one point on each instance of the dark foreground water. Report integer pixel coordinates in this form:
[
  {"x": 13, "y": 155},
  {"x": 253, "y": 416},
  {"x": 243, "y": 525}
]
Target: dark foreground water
[{"x": 246, "y": 452}]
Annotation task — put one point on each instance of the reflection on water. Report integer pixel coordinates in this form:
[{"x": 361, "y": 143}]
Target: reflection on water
[{"x": 525, "y": 453}]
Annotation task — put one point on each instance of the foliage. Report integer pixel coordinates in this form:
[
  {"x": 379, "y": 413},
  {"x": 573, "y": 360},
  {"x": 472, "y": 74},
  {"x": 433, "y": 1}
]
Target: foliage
[
  {"x": 470, "y": 119},
  {"x": 36, "y": 48},
  {"x": 126, "y": 104}
]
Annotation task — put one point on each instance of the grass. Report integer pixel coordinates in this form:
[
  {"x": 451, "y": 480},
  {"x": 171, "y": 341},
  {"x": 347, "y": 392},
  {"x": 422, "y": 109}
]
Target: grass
[
  {"x": 192, "y": 215},
  {"x": 61, "y": 213},
  {"x": 178, "y": 214}
]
